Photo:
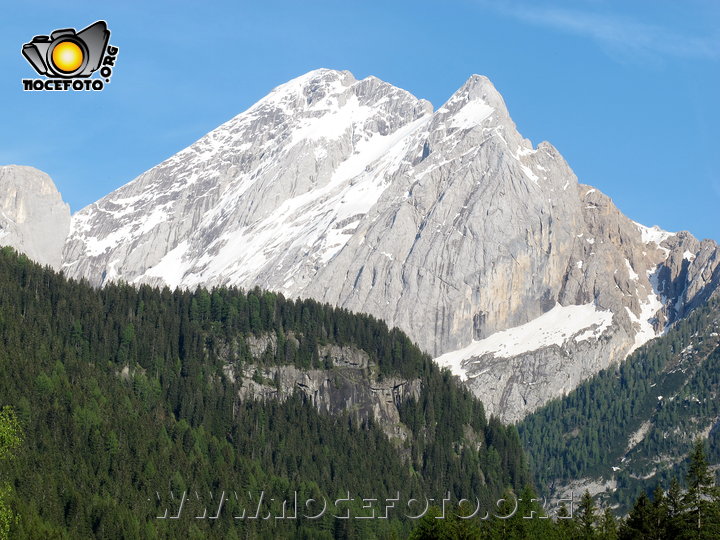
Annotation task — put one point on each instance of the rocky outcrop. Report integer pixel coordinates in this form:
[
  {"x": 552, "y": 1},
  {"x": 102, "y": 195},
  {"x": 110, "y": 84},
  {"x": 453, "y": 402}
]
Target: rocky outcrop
[
  {"x": 347, "y": 386},
  {"x": 512, "y": 387},
  {"x": 33, "y": 217}
]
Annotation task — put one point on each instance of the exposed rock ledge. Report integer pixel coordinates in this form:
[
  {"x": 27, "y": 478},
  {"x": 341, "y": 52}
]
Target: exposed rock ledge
[{"x": 350, "y": 385}]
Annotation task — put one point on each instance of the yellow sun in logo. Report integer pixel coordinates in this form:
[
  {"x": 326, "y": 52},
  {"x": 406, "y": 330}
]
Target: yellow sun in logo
[{"x": 67, "y": 56}]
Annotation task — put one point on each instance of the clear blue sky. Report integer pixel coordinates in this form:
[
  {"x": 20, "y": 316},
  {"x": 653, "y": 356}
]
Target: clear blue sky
[{"x": 627, "y": 91}]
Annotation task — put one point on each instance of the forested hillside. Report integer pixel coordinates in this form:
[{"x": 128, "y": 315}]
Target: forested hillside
[
  {"x": 631, "y": 426},
  {"x": 122, "y": 396}
]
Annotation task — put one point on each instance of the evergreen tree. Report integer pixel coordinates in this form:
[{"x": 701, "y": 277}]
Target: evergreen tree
[
  {"x": 660, "y": 514},
  {"x": 675, "y": 509},
  {"x": 566, "y": 526},
  {"x": 466, "y": 528},
  {"x": 701, "y": 496},
  {"x": 530, "y": 520},
  {"x": 125, "y": 393},
  {"x": 586, "y": 516},
  {"x": 433, "y": 527},
  {"x": 580, "y": 434},
  {"x": 639, "y": 521},
  {"x": 608, "y": 529},
  {"x": 10, "y": 440}
]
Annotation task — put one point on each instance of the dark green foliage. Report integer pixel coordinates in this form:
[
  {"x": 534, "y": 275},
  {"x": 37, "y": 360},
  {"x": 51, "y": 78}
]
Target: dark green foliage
[
  {"x": 586, "y": 432},
  {"x": 608, "y": 529},
  {"x": 694, "y": 514},
  {"x": 10, "y": 440},
  {"x": 640, "y": 520},
  {"x": 658, "y": 518},
  {"x": 675, "y": 509},
  {"x": 123, "y": 397},
  {"x": 433, "y": 527},
  {"x": 702, "y": 515},
  {"x": 586, "y": 516}
]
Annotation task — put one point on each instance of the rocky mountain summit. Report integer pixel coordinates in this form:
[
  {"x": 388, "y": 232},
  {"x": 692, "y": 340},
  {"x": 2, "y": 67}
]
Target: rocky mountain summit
[
  {"x": 33, "y": 217},
  {"x": 445, "y": 223}
]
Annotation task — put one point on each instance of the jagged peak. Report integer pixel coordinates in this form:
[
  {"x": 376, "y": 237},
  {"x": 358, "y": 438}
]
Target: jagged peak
[
  {"x": 315, "y": 77},
  {"x": 313, "y": 87},
  {"x": 476, "y": 102},
  {"x": 477, "y": 88}
]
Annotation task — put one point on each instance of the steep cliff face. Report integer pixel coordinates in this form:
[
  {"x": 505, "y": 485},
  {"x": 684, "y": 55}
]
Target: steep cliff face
[
  {"x": 633, "y": 282},
  {"x": 33, "y": 217},
  {"x": 348, "y": 384},
  {"x": 447, "y": 224}
]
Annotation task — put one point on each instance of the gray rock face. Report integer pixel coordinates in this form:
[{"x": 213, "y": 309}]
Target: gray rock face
[
  {"x": 448, "y": 224},
  {"x": 33, "y": 217},
  {"x": 349, "y": 386},
  {"x": 264, "y": 199}
]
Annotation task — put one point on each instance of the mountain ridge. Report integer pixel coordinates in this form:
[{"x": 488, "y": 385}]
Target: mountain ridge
[{"x": 445, "y": 223}]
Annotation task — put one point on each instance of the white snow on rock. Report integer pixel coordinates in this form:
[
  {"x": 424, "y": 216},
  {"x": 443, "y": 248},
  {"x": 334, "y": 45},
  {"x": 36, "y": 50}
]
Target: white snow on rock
[
  {"x": 633, "y": 275},
  {"x": 471, "y": 115},
  {"x": 653, "y": 234},
  {"x": 555, "y": 327},
  {"x": 646, "y": 321}
]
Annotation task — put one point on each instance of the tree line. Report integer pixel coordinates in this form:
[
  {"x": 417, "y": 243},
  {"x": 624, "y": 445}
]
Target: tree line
[
  {"x": 124, "y": 404},
  {"x": 672, "y": 514}
]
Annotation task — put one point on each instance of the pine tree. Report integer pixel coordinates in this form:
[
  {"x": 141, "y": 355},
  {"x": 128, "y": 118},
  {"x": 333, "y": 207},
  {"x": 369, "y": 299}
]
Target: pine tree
[
  {"x": 639, "y": 520},
  {"x": 531, "y": 520},
  {"x": 675, "y": 509},
  {"x": 608, "y": 529},
  {"x": 465, "y": 528},
  {"x": 586, "y": 516},
  {"x": 432, "y": 527},
  {"x": 10, "y": 439},
  {"x": 565, "y": 525},
  {"x": 659, "y": 524},
  {"x": 702, "y": 511},
  {"x": 174, "y": 420}
]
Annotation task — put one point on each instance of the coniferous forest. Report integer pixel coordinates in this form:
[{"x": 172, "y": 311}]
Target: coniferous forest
[
  {"x": 117, "y": 416},
  {"x": 118, "y": 404},
  {"x": 670, "y": 387}
]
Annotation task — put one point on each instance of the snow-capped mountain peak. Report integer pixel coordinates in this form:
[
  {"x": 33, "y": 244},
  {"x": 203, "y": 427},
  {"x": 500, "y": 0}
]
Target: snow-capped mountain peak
[{"x": 448, "y": 224}]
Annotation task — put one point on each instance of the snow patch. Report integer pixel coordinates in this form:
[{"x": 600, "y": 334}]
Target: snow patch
[
  {"x": 633, "y": 275},
  {"x": 649, "y": 308},
  {"x": 555, "y": 327},
  {"x": 170, "y": 268},
  {"x": 335, "y": 122},
  {"x": 654, "y": 235},
  {"x": 471, "y": 115},
  {"x": 528, "y": 172}
]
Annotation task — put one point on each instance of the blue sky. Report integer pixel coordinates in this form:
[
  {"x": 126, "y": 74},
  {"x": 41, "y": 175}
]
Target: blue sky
[{"x": 627, "y": 91}]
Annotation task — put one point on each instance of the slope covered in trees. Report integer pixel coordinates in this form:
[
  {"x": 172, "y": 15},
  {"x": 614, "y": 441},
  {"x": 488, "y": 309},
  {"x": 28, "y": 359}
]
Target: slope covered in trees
[
  {"x": 123, "y": 399},
  {"x": 633, "y": 424},
  {"x": 673, "y": 514}
]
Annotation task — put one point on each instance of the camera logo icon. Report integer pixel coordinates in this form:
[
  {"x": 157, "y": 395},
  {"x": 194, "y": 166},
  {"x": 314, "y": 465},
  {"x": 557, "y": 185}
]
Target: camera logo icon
[{"x": 71, "y": 56}]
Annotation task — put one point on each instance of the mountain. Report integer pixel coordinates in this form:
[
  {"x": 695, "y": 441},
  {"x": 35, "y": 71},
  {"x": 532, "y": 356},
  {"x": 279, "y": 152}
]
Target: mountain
[
  {"x": 33, "y": 217},
  {"x": 156, "y": 394},
  {"x": 630, "y": 427},
  {"x": 446, "y": 223}
]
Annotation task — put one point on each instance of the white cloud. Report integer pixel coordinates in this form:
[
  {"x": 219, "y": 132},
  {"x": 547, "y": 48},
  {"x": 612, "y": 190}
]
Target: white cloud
[{"x": 620, "y": 34}]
